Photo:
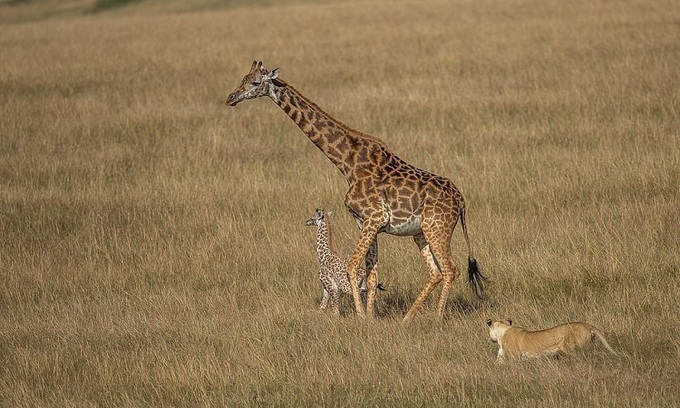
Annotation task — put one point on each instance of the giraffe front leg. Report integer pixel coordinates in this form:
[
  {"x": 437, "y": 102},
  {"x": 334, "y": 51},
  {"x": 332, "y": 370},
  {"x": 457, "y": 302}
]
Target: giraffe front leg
[
  {"x": 371, "y": 277},
  {"x": 371, "y": 290},
  {"x": 352, "y": 272},
  {"x": 368, "y": 235}
]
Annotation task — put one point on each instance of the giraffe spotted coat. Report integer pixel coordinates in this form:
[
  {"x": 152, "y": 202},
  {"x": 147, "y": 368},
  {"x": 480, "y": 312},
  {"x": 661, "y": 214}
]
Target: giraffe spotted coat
[
  {"x": 332, "y": 267},
  {"x": 385, "y": 195}
]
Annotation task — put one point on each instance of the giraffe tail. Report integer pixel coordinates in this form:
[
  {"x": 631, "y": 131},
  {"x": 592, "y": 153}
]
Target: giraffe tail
[
  {"x": 379, "y": 287},
  {"x": 475, "y": 277}
]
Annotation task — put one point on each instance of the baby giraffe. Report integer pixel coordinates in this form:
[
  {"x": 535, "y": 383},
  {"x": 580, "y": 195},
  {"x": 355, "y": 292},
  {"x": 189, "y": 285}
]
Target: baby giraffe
[{"x": 332, "y": 267}]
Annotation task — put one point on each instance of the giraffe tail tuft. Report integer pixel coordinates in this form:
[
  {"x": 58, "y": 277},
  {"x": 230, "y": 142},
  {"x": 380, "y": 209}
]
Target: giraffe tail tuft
[{"x": 475, "y": 277}]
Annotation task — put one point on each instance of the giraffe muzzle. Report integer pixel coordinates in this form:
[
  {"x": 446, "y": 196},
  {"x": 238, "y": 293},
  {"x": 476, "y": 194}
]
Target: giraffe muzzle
[{"x": 232, "y": 100}]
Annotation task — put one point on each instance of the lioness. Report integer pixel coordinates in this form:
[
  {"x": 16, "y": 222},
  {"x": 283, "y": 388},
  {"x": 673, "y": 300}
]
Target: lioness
[{"x": 516, "y": 342}]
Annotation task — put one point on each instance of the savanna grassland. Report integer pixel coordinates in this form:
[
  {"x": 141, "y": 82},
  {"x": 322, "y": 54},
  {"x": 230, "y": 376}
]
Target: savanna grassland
[{"x": 153, "y": 250}]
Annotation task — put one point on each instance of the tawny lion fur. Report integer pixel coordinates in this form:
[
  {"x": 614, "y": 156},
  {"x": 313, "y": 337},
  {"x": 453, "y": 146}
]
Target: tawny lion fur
[{"x": 518, "y": 343}]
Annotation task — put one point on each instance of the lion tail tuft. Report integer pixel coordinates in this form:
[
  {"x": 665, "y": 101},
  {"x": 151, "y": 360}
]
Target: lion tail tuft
[{"x": 600, "y": 337}]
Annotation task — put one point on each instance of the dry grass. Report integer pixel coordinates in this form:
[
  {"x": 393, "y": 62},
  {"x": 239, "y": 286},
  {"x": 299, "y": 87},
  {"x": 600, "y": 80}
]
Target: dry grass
[{"x": 153, "y": 247}]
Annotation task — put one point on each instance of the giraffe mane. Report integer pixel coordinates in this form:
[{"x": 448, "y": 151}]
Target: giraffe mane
[
  {"x": 336, "y": 122},
  {"x": 329, "y": 227}
]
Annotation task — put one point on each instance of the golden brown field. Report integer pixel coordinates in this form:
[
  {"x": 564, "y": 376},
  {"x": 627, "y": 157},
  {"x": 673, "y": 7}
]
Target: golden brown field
[{"x": 153, "y": 247}]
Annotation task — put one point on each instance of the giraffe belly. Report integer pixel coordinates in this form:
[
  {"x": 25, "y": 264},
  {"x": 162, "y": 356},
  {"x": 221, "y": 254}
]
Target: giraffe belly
[{"x": 403, "y": 226}]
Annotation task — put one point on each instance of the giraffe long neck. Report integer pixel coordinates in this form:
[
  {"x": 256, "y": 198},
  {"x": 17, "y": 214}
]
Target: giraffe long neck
[
  {"x": 324, "y": 247},
  {"x": 337, "y": 141}
]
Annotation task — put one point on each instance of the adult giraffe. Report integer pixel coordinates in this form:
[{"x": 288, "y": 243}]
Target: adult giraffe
[{"x": 386, "y": 194}]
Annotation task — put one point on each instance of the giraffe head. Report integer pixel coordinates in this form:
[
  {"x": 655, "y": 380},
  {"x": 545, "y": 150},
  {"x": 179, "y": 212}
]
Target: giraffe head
[
  {"x": 318, "y": 217},
  {"x": 256, "y": 83}
]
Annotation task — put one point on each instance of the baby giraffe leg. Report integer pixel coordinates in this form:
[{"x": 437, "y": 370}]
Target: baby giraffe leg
[{"x": 324, "y": 300}]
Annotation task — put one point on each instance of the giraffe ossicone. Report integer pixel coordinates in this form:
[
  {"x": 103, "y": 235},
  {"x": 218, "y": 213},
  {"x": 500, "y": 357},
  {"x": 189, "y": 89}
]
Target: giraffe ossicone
[{"x": 385, "y": 195}]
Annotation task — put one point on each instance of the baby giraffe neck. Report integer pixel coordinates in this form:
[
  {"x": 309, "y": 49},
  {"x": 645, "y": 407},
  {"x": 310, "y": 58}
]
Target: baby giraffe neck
[{"x": 323, "y": 241}]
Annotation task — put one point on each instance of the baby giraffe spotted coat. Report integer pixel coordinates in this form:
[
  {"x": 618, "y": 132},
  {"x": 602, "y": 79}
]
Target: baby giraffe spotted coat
[{"x": 332, "y": 267}]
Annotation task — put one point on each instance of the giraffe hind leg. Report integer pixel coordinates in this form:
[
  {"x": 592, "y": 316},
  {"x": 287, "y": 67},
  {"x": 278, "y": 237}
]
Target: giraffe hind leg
[
  {"x": 438, "y": 236},
  {"x": 435, "y": 276},
  {"x": 449, "y": 272}
]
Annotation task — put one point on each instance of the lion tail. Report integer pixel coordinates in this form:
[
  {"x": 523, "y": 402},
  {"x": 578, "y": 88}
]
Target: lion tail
[
  {"x": 600, "y": 337},
  {"x": 475, "y": 277}
]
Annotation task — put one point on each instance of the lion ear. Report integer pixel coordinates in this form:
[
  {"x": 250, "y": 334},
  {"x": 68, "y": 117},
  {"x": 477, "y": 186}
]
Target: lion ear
[
  {"x": 509, "y": 322},
  {"x": 489, "y": 322}
]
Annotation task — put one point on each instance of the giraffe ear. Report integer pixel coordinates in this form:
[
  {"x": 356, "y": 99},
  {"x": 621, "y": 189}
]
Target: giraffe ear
[{"x": 274, "y": 74}]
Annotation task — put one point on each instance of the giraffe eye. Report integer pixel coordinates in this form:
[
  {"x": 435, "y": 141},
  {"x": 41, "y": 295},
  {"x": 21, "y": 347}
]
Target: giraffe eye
[{"x": 256, "y": 83}]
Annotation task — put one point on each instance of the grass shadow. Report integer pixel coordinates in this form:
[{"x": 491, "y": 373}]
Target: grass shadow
[
  {"x": 104, "y": 5},
  {"x": 466, "y": 306},
  {"x": 397, "y": 302}
]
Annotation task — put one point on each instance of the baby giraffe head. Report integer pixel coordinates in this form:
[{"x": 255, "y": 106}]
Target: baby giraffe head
[
  {"x": 257, "y": 82},
  {"x": 318, "y": 217}
]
